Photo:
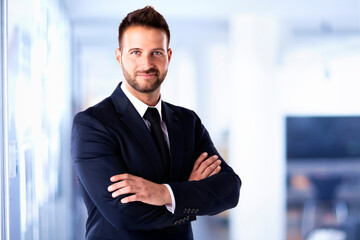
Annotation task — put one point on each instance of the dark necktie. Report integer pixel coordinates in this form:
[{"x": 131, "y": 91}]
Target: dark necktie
[{"x": 152, "y": 115}]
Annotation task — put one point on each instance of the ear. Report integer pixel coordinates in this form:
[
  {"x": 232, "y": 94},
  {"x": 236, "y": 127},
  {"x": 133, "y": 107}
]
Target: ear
[
  {"x": 169, "y": 51},
  {"x": 118, "y": 56}
]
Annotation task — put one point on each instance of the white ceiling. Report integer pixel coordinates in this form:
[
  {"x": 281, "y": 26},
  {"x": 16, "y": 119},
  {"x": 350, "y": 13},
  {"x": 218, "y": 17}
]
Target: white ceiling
[{"x": 346, "y": 11}]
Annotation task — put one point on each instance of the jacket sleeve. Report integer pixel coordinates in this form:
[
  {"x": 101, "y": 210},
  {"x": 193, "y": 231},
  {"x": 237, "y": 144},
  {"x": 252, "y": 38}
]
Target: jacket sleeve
[
  {"x": 96, "y": 159},
  {"x": 211, "y": 195}
]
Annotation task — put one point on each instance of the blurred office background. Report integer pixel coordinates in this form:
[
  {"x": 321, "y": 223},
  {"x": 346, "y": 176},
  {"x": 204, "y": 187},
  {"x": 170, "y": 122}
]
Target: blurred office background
[{"x": 275, "y": 82}]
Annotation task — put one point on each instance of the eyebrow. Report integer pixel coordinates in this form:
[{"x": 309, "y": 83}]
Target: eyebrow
[
  {"x": 159, "y": 49},
  {"x": 134, "y": 49},
  {"x": 138, "y": 49}
]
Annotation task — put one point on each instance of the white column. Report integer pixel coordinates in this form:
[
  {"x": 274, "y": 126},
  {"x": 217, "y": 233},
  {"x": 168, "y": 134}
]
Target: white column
[{"x": 256, "y": 134}]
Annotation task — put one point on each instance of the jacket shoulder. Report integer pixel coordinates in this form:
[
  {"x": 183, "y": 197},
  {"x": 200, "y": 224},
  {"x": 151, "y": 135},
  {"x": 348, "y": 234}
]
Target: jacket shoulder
[
  {"x": 181, "y": 111},
  {"x": 99, "y": 111}
]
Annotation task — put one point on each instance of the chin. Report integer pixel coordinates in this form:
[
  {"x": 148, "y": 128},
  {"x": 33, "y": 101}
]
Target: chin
[{"x": 149, "y": 87}]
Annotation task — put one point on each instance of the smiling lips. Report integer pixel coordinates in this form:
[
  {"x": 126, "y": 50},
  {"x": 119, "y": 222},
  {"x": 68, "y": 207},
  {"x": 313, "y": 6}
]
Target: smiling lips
[{"x": 147, "y": 74}]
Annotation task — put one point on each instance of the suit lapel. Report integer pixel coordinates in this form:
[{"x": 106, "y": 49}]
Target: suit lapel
[
  {"x": 131, "y": 118},
  {"x": 177, "y": 141}
]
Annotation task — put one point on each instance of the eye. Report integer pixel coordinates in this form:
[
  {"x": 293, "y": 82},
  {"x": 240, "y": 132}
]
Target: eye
[
  {"x": 135, "y": 52},
  {"x": 157, "y": 53}
]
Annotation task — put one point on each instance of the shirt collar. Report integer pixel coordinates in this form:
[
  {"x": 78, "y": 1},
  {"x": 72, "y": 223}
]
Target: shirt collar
[{"x": 138, "y": 104}]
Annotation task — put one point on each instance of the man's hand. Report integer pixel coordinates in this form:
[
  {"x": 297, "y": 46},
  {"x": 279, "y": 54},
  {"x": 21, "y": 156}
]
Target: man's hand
[
  {"x": 141, "y": 189},
  {"x": 151, "y": 193},
  {"x": 204, "y": 168}
]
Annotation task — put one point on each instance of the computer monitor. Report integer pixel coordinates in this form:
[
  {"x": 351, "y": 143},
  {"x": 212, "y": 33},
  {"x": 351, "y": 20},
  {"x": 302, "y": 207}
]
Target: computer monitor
[{"x": 328, "y": 144}]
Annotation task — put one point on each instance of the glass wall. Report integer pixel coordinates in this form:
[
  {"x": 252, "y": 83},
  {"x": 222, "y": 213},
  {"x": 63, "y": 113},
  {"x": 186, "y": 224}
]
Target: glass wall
[
  {"x": 38, "y": 116},
  {"x": 2, "y": 145}
]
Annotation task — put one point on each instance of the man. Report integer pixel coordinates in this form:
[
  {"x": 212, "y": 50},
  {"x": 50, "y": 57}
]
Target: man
[{"x": 147, "y": 168}]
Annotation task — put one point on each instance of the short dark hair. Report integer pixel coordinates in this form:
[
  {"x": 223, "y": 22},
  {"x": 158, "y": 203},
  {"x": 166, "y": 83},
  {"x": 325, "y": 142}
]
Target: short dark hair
[{"x": 147, "y": 17}]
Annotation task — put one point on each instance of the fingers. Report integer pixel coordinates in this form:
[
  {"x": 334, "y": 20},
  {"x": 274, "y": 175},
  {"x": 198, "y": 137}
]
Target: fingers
[
  {"x": 204, "y": 168},
  {"x": 121, "y": 177},
  {"x": 209, "y": 165},
  {"x": 122, "y": 191},
  {"x": 118, "y": 185},
  {"x": 215, "y": 171},
  {"x": 200, "y": 159},
  {"x": 148, "y": 196},
  {"x": 124, "y": 184},
  {"x": 140, "y": 189},
  {"x": 123, "y": 187},
  {"x": 215, "y": 166}
]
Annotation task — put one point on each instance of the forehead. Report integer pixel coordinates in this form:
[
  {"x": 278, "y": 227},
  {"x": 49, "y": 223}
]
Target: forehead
[{"x": 141, "y": 37}]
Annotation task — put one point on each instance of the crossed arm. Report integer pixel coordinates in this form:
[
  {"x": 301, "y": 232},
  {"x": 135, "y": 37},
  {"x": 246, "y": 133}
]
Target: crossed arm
[
  {"x": 155, "y": 194},
  {"x": 135, "y": 203}
]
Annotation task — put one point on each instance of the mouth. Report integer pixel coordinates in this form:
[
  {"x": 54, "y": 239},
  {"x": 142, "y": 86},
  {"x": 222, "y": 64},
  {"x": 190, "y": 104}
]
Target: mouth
[{"x": 147, "y": 74}]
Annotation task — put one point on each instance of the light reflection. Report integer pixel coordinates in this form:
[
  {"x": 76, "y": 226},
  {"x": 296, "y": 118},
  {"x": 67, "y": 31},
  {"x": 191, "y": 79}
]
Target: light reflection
[{"x": 39, "y": 78}]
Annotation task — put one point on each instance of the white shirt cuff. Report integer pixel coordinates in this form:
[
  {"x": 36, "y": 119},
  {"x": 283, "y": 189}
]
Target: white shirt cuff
[{"x": 170, "y": 207}]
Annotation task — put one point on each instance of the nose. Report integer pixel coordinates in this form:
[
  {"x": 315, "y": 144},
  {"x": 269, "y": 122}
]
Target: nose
[{"x": 146, "y": 62}]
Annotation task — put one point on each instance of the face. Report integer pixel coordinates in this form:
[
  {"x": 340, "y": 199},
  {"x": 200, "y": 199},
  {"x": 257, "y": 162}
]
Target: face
[{"x": 144, "y": 58}]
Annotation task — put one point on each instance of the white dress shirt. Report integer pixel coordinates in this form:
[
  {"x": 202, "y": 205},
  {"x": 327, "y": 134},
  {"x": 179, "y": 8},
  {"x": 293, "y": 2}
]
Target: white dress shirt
[{"x": 141, "y": 108}]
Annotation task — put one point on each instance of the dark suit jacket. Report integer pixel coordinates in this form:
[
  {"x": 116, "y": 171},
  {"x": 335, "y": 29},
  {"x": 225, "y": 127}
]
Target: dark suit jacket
[{"x": 111, "y": 138}]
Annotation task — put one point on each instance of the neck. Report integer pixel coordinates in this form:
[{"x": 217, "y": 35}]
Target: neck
[{"x": 150, "y": 99}]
